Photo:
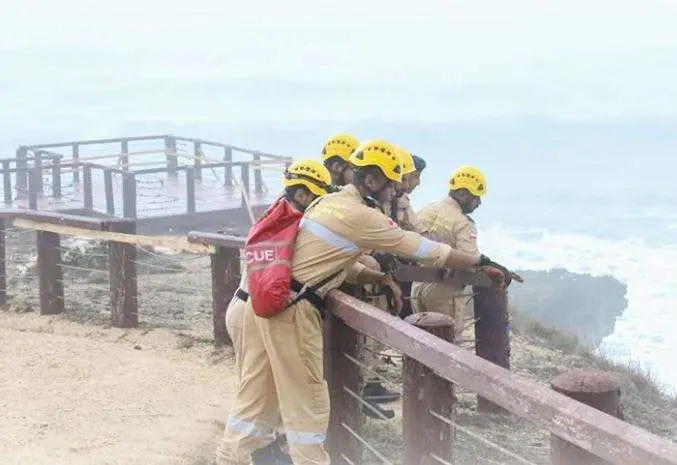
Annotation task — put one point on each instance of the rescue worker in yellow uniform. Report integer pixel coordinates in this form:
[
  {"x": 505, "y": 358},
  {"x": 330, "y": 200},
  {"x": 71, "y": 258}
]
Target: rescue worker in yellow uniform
[
  {"x": 282, "y": 367},
  {"x": 448, "y": 222},
  {"x": 335, "y": 154},
  {"x": 303, "y": 181},
  {"x": 399, "y": 207},
  {"x": 415, "y": 180}
]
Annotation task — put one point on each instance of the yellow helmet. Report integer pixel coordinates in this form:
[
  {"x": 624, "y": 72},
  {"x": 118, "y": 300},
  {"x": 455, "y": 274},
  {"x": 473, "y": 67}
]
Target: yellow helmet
[
  {"x": 468, "y": 177},
  {"x": 309, "y": 173},
  {"x": 407, "y": 161},
  {"x": 377, "y": 152},
  {"x": 339, "y": 145}
]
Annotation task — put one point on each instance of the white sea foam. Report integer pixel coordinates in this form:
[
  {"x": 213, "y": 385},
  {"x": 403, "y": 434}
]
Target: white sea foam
[{"x": 644, "y": 334}]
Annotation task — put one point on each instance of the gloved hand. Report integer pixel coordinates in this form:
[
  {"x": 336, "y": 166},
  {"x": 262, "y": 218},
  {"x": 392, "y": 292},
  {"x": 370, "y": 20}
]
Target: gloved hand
[
  {"x": 393, "y": 294},
  {"x": 498, "y": 276},
  {"x": 491, "y": 268}
]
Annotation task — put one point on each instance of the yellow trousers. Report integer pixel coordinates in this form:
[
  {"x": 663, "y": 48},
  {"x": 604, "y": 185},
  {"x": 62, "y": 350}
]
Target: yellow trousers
[
  {"x": 434, "y": 297},
  {"x": 234, "y": 322},
  {"x": 281, "y": 376}
]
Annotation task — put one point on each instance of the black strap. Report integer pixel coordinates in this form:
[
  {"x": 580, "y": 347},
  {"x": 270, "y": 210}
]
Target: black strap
[
  {"x": 310, "y": 294},
  {"x": 242, "y": 295}
]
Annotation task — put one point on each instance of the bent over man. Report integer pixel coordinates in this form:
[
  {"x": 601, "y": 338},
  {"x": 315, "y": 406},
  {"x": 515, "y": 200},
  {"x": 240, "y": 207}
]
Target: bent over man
[
  {"x": 448, "y": 222},
  {"x": 303, "y": 181},
  {"x": 282, "y": 369},
  {"x": 399, "y": 207},
  {"x": 335, "y": 154}
]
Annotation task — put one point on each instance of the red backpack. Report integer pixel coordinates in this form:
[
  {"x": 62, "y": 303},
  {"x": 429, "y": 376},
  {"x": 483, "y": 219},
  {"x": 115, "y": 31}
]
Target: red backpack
[{"x": 269, "y": 251}]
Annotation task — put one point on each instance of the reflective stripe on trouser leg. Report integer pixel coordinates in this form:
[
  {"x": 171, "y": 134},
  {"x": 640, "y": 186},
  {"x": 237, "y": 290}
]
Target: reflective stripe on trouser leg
[
  {"x": 293, "y": 341},
  {"x": 255, "y": 411}
]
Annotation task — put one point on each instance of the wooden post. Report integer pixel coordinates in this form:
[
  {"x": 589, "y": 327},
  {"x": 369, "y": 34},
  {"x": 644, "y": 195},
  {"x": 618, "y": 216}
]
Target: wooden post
[
  {"x": 7, "y": 181},
  {"x": 22, "y": 171},
  {"x": 56, "y": 176},
  {"x": 197, "y": 152},
  {"x": 170, "y": 154},
  {"x": 129, "y": 195},
  {"x": 123, "y": 283},
  {"x": 124, "y": 149},
  {"x": 35, "y": 177},
  {"x": 492, "y": 334},
  {"x": 425, "y": 392},
  {"x": 244, "y": 174},
  {"x": 87, "y": 186},
  {"x": 108, "y": 187},
  {"x": 37, "y": 163},
  {"x": 228, "y": 170},
  {"x": 3, "y": 263},
  {"x": 258, "y": 178},
  {"x": 190, "y": 189},
  {"x": 597, "y": 389},
  {"x": 51, "y": 273},
  {"x": 76, "y": 160},
  {"x": 225, "y": 280},
  {"x": 341, "y": 373}
]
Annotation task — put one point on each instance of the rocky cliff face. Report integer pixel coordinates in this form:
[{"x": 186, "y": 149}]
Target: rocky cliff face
[{"x": 579, "y": 304}]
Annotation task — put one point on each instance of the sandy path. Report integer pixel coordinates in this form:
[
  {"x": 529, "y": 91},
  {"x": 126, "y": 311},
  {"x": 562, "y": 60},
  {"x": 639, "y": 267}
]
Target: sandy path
[{"x": 73, "y": 394}]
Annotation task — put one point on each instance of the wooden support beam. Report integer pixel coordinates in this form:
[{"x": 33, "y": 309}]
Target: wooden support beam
[
  {"x": 197, "y": 153},
  {"x": 88, "y": 197},
  {"x": 3, "y": 261},
  {"x": 22, "y": 171},
  {"x": 170, "y": 155},
  {"x": 129, "y": 195},
  {"x": 341, "y": 344},
  {"x": 123, "y": 277},
  {"x": 190, "y": 189},
  {"x": 228, "y": 170},
  {"x": 50, "y": 272},
  {"x": 492, "y": 333},
  {"x": 124, "y": 154},
  {"x": 7, "y": 182},
  {"x": 76, "y": 159},
  {"x": 34, "y": 187},
  {"x": 425, "y": 392},
  {"x": 56, "y": 177},
  {"x": 108, "y": 187}
]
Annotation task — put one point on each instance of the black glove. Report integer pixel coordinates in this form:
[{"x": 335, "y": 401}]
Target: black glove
[{"x": 486, "y": 261}]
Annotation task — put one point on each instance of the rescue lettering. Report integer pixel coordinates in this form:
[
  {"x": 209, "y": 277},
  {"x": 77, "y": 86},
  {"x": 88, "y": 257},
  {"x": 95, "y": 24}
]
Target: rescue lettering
[{"x": 260, "y": 256}]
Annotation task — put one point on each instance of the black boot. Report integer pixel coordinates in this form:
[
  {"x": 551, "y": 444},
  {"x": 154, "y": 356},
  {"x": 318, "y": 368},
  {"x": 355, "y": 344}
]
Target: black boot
[
  {"x": 272, "y": 454},
  {"x": 384, "y": 414},
  {"x": 374, "y": 391}
]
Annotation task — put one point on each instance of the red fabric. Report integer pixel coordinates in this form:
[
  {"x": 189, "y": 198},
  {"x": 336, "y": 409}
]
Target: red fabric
[{"x": 269, "y": 250}]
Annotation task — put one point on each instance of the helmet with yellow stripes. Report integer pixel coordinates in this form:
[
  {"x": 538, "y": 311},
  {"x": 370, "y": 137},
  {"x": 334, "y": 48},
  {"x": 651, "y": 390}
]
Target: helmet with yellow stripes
[
  {"x": 309, "y": 173},
  {"x": 468, "y": 177},
  {"x": 378, "y": 152},
  {"x": 407, "y": 161},
  {"x": 339, "y": 145}
]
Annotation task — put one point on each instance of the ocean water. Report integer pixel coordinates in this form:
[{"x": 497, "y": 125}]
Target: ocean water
[{"x": 595, "y": 198}]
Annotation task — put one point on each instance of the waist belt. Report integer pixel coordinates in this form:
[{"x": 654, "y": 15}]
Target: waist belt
[{"x": 309, "y": 294}]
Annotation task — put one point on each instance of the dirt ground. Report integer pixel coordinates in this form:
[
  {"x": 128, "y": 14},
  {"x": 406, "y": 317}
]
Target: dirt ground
[{"x": 74, "y": 394}]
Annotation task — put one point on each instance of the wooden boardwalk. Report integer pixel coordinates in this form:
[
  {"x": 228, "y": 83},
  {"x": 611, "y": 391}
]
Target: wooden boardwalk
[{"x": 160, "y": 179}]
